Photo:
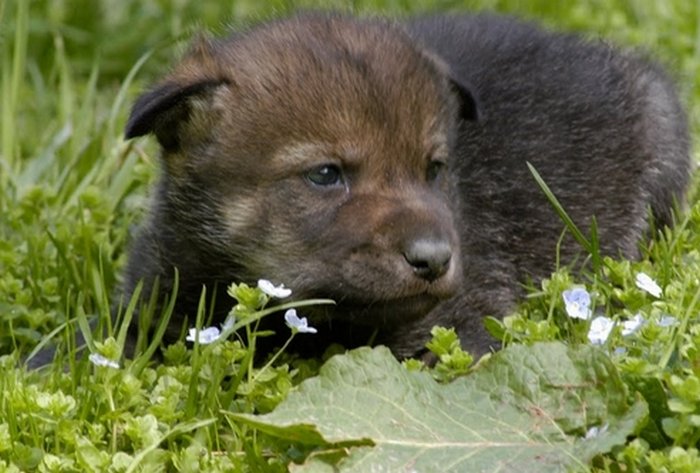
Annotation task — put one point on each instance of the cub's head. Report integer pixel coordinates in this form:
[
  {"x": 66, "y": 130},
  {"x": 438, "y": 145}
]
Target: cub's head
[{"x": 316, "y": 152}]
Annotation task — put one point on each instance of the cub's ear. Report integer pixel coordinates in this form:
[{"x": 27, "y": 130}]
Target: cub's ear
[
  {"x": 163, "y": 109},
  {"x": 468, "y": 105}
]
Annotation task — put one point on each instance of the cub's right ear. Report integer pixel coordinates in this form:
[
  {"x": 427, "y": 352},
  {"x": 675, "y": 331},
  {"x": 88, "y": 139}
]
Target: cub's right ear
[
  {"x": 469, "y": 109},
  {"x": 163, "y": 109}
]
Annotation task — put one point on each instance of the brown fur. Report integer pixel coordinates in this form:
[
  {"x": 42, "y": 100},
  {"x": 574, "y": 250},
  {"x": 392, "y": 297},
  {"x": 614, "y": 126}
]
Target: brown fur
[{"x": 417, "y": 231}]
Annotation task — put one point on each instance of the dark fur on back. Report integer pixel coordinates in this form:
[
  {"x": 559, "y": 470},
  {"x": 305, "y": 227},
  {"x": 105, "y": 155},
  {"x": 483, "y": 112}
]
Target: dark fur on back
[
  {"x": 604, "y": 128},
  {"x": 436, "y": 218}
]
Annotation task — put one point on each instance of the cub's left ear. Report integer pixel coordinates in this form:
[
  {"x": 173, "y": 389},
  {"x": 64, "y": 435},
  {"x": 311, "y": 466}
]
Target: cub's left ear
[{"x": 468, "y": 105}]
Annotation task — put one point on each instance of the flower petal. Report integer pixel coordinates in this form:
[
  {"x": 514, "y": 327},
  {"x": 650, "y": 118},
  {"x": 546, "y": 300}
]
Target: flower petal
[
  {"x": 297, "y": 324},
  {"x": 667, "y": 321},
  {"x": 594, "y": 432},
  {"x": 620, "y": 351},
  {"x": 647, "y": 284},
  {"x": 578, "y": 303},
  {"x": 206, "y": 336},
  {"x": 271, "y": 290},
  {"x": 631, "y": 326},
  {"x": 600, "y": 330},
  {"x": 228, "y": 323}
]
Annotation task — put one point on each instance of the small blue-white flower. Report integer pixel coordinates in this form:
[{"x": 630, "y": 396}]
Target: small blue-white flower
[
  {"x": 211, "y": 334},
  {"x": 297, "y": 324},
  {"x": 631, "y": 326},
  {"x": 280, "y": 292},
  {"x": 594, "y": 432},
  {"x": 620, "y": 351},
  {"x": 578, "y": 303},
  {"x": 645, "y": 283},
  {"x": 206, "y": 335},
  {"x": 99, "y": 360},
  {"x": 667, "y": 321},
  {"x": 600, "y": 330}
]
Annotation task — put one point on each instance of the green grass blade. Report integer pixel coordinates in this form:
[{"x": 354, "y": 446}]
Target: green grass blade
[{"x": 559, "y": 209}]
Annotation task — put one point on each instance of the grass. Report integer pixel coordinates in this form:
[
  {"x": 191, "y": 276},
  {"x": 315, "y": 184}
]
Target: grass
[{"x": 71, "y": 190}]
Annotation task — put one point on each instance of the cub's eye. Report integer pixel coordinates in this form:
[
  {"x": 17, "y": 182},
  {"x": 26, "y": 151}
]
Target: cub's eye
[
  {"x": 434, "y": 170},
  {"x": 326, "y": 175}
]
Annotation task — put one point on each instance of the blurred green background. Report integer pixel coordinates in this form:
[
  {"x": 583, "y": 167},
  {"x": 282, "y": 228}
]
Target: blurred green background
[{"x": 118, "y": 32}]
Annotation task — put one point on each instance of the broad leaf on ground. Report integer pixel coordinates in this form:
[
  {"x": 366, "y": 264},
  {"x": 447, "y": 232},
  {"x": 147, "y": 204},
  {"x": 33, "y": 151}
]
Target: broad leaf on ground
[{"x": 525, "y": 409}]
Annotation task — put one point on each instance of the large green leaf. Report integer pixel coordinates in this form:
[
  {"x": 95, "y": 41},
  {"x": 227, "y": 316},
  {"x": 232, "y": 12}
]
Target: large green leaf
[{"x": 525, "y": 409}]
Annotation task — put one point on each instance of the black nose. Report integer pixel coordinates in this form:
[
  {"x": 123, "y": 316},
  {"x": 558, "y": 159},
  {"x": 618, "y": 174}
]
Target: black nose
[{"x": 430, "y": 258}]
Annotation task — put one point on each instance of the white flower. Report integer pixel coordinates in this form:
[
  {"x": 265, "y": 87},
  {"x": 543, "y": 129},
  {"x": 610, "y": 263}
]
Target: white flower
[
  {"x": 667, "y": 321},
  {"x": 206, "y": 335},
  {"x": 600, "y": 330},
  {"x": 596, "y": 432},
  {"x": 645, "y": 283},
  {"x": 99, "y": 360},
  {"x": 632, "y": 325},
  {"x": 578, "y": 303},
  {"x": 297, "y": 324},
  {"x": 211, "y": 334},
  {"x": 271, "y": 290}
]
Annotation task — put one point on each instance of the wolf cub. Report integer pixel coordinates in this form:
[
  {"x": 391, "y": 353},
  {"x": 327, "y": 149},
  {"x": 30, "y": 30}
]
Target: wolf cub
[{"x": 382, "y": 164}]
